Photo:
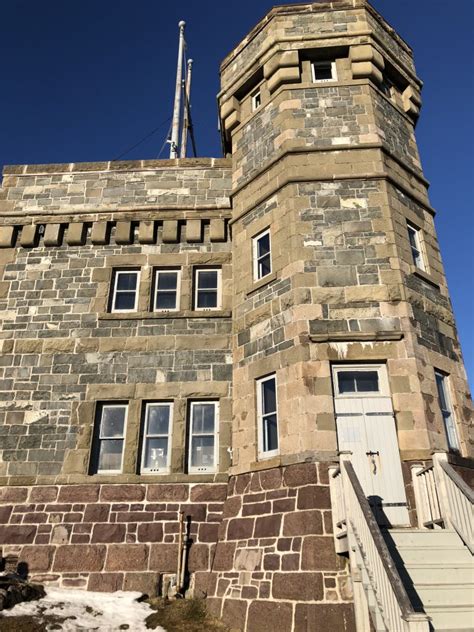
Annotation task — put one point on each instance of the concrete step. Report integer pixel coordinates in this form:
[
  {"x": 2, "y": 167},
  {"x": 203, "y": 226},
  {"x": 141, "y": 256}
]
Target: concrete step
[
  {"x": 436, "y": 574},
  {"x": 445, "y": 595},
  {"x": 452, "y": 619},
  {"x": 425, "y": 537},
  {"x": 434, "y": 556}
]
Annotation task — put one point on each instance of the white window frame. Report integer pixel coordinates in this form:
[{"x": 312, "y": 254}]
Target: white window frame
[
  {"x": 384, "y": 388},
  {"x": 146, "y": 434},
  {"x": 453, "y": 442},
  {"x": 159, "y": 271},
  {"x": 418, "y": 247},
  {"x": 203, "y": 469},
  {"x": 99, "y": 438},
  {"x": 262, "y": 453},
  {"x": 315, "y": 64},
  {"x": 256, "y": 100},
  {"x": 115, "y": 276},
  {"x": 197, "y": 272},
  {"x": 256, "y": 258}
]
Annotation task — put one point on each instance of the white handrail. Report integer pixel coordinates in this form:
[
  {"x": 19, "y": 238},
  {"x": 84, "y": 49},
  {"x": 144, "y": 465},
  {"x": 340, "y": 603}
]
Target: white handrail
[
  {"x": 365, "y": 536},
  {"x": 426, "y": 497},
  {"x": 456, "y": 499}
]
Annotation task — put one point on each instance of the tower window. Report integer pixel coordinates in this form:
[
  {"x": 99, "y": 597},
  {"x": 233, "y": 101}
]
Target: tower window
[
  {"x": 323, "y": 71},
  {"x": 262, "y": 256},
  {"x": 446, "y": 410},
  {"x": 109, "y": 438},
  {"x": 167, "y": 290},
  {"x": 256, "y": 100},
  {"x": 156, "y": 437},
  {"x": 414, "y": 237},
  {"x": 202, "y": 436},
  {"x": 207, "y": 283},
  {"x": 267, "y": 416},
  {"x": 125, "y": 290}
]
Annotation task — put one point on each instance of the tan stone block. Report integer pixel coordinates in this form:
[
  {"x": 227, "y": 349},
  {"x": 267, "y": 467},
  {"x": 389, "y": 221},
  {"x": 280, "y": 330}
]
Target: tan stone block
[
  {"x": 366, "y": 69},
  {"x": 4, "y": 288},
  {"x": 52, "y": 235},
  {"x": 290, "y": 74},
  {"x": 280, "y": 60},
  {"x": 84, "y": 345},
  {"x": 366, "y": 293},
  {"x": 123, "y": 233},
  {"x": 217, "y": 230},
  {"x": 170, "y": 231},
  {"x": 147, "y": 232},
  {"x": 100, "y": 233},
  {"x": 7, "y": 236},
  {"x": 28, "y": 236},
  {"x": 76, "y": 234},
  {"x": 193, "y": 230},
  {"x": 28, "y": 346},
  {"x": 229, "y": 107},
  {"x": 58, "y": 345},
  {"x": 76, "y": 461}
]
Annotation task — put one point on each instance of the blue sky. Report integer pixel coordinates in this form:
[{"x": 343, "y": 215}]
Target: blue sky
[{"x": 84, "y": 81}]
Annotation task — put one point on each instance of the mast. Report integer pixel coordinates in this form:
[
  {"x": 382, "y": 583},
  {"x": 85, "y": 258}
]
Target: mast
[
  {"x": 187, "y": 95},
  {"x": 177, "y": 94}
]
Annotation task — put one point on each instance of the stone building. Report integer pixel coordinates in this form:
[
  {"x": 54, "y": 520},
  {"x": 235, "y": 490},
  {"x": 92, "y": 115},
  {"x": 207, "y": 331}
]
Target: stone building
[{"x": 209, "y": 335}]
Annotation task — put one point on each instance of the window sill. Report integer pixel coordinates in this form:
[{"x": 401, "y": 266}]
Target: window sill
[
  {"x": 258, "y": 285},
  {"x": 201, "y": 313},
  {"x": 425, "y": 276},
  {"x": 208, "y": 477}
]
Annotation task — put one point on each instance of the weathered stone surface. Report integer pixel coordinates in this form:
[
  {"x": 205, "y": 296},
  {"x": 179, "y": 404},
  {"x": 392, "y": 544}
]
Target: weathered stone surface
[
  {"x": 106, "y": 582},
  {"x": 298, "y": 586},
  {"x": 234, "y": 613},
  {"x": 164, "y": 558},
  {"x": 206, "y": 493},
  {"x": 76, "y": 558},
  {"x": 108, "y": 533},
  {"x": 38, "y": 558},
  {"x": 126, "y": 557},
  {"x": 122, "y": 493},
  {"x": 163, "y": 493},
  {"x": 267, "y": 615},
  {"x": 79, "y": 493},
  {"x": 18, "y": 534},
  {"x": 146, "y": 583},
  {"x": 336, "y": 617},
  {"x": 318, "y": 554}
]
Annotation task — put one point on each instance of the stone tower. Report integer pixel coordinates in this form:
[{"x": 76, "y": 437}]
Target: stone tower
[{"x": 263, "y": 343}]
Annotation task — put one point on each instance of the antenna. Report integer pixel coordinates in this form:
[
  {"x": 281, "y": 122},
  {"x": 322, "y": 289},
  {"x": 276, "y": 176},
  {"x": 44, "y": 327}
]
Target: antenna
[
  {"x": 177, "y": 95},
  {"x": 186, "y": 116}
]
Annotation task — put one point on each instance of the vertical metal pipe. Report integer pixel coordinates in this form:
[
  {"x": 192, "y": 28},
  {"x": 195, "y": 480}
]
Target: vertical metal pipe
[
  {"x": 184, "y": 131},
  {"x": 177, "y": 94},
  {"x": 180, "y": 551}
]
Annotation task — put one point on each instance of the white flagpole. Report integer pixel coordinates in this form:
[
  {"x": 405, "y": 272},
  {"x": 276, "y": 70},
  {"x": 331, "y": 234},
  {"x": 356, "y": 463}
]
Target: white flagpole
[
  {"x": 184, "y": 131},
  {"x": 177, "y": 95}
]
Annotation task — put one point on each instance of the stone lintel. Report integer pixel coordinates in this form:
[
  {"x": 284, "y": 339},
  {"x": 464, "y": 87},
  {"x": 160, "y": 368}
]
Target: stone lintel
[{"x": 357, "y": 336}]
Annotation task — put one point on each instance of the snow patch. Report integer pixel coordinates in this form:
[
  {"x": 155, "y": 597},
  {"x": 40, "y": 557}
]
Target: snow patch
[{"x": 89, "y": 611}]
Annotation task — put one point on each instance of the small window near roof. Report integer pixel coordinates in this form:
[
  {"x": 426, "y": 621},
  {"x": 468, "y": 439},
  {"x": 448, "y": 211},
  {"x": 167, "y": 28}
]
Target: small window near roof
[
  {"x": 125, "y": 290},
  {"x": 262, "y": 256},
  {"x": 256, "y": 100},
  {"x": 207, "y": 288},
  {"x": 414, "y": 237},
  {"x": 167, "y": 290},
  {"x": 323, "y": 71}
]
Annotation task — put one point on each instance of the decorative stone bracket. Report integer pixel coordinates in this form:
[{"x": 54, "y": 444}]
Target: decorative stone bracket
[
  {"x": 282, "y": 68},
  {"x": 412, "y": 102},
  {"x": 367, "y": 63},
  {"x": 76, "y": 234}
]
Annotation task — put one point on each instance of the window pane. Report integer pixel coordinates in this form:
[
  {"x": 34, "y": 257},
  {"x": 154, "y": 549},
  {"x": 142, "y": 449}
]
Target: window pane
[
  {"x": 167, "y": 280},
  {"x": 268, "y": 396},
  {"x": 125, "y": 300},
  {"x": 112, "y": 422},
  {"x": 270, "y": 433},
  {"x": 158, "y": 419},
  {"x": 202, "y": 452},
  {"x": 207, "y": 279},
  {"x": 264, "y": 266},
  {"x": 126, "y": 281},
  {"x": 263, "y": 245},
  {"x": 110, "y": 454},
  {"x": 156, "y": 452},
  {"x": 346, "y": 381},
  {"x": 441, "y": 392},
  {"x": 207, "y": 298},
  {"x": 412, "y": 237},
  {"x": 203, "y": 417},
  {"x": 322, "y": 71},
  {"x": 166, "y": 300},
  {"x": 367, "y": 381}
]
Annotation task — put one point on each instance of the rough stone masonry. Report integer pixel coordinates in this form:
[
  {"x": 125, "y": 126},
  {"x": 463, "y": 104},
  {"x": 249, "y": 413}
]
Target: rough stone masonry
[{"x": 170, "y": 331}]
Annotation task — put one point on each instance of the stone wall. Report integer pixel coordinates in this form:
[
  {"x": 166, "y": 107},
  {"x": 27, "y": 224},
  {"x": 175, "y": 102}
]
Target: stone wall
[{"x": 275, "y": 567}]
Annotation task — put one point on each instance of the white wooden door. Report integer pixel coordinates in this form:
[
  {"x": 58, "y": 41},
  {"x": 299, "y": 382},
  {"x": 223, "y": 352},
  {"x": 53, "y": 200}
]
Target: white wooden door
[{"x": 366, "y": 427}]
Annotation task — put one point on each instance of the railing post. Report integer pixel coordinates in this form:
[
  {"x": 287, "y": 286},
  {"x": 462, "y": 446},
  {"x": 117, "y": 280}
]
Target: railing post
[
  {"x": 440, "y": 456},
  {"x": 418, "y": 623},
  {"x": 420, "y": 496}
]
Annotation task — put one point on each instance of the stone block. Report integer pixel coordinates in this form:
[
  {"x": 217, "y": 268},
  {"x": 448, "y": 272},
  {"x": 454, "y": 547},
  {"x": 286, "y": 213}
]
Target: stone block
[
  {"x": 198, "y": 559},
  {"x": 29, "y": 236},
  {"x": 96, "y": 513},
  {"x": 53, "y": 235},
  {"x": 193, "y": 230},
  {"x": 123, "y": 233},
  {"x": 17, "y": 534},
  {"x": 76, "y": 234},
  {"x": 170, "y": 231},
  {"x": 208, "y": 493},
  {"x": 336, "y": 617},
  {"x": 7, "y": 236},
  {"x": 366, "y": 70},
  {"x": 224, "y": 558},
  {"x": 298, "y": 586},
  {"x": 318, "y": 554},
  {"x": 146, "y": 583},
  {"x": 150, "y": 532},
  {"x": 240, "y": 528},
  {"x": 38, "y": 558},
  {"x": 280, "y": 60},
  {"x": 267, "y": 526},
  {"x": 290, "y": 74},
  {"x": 79, "y": 558},
  {"x": 147, "y": 232},
  {"x": 314, "y": 497},
  {"x": 122, "y": 493},
  {"x": 42, "y": 494},
  {"x": 336, "y": 276},
  {"x": 127, "y": 557},
  {"x": 173, "y": 492},
  {"x": 79, "y": 493},
  {"x": 100, "y": 233},
  {"x": 217, "y": 230},
  {"x": 302, "y": 523},
  {"x": 271, "y": 479},
  {"x": 300, "y": 474},
  {"x": 108, "y": 533},
  {"x": 164, "y": 558},
  {"x": 106, "y": 582},
  {"x": 234, "y": 613},
  {"x": 264, "y": 616}
]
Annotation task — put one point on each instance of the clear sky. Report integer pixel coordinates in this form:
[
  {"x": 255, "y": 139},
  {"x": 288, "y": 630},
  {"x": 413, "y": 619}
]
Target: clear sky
[{"x": 85, "y": 80}]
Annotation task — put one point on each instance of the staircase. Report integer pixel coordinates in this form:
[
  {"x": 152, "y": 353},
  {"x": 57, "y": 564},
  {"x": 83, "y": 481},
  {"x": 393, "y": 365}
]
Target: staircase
[
  {"x": 437, "y": 570},
  {"x": 409, "y": 579}
]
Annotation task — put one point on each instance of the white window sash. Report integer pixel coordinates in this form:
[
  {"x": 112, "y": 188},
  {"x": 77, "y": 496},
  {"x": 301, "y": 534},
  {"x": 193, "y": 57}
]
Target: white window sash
[
  {"x": 218, "y": 289},
  {"x": 147, "y": 435},
  {"x": 416, "y": 249},
  {"x": 257, "y": 259},
  {"x": 117, "y": 274},
  {"x": 447, "y": 413},
  {"x": 256, "y": 100},
  {"x": 101, "y": 437},
  {"x": 203, "y": 469},
  {"x": 315, "y": 64},
  {"x": 261, "y": 426},
  {"x": 384, "y": 390},
  {"x": 177, "y": 291}
]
